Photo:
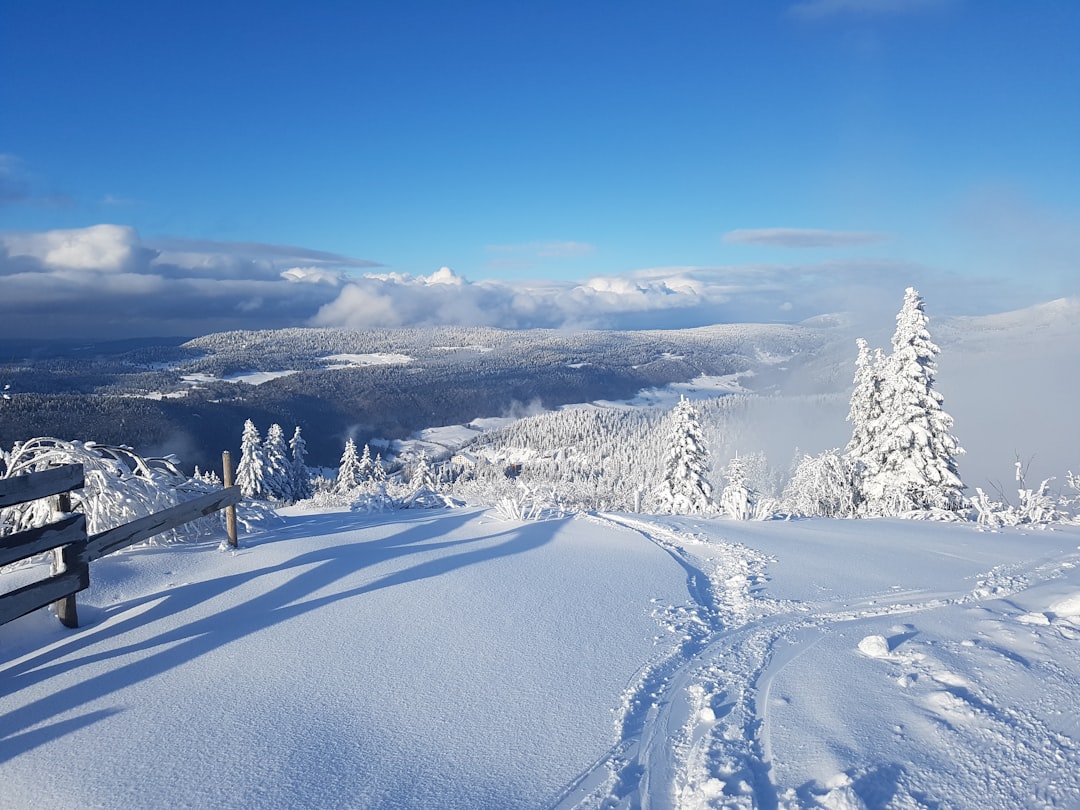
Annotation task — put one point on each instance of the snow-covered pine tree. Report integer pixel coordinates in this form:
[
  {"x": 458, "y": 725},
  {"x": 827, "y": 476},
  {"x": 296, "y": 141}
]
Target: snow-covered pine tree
[
  {"x": 278, "y": 475},
  {"x": 737, "y": 498},
  {"x": 251, "y": 471},
  {"x": 422, "y": 476},
  {"x": 912, "y": 460},
  {"x": 685, "y": 488},
  {"x": 378, "y": 470},
  {"x": 298, "y": 471},
  {"x": 864, "y": 453},
  {"x": 348, "y": 476},
  {"x": 367, "y": 466}
]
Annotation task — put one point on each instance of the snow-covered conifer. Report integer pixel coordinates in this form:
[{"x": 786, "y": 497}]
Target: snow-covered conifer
[
  {"x": 864, "y": 452},
  {"x": 422, "y": 476},
  {"x": 278, "y": 475},
  {"x": 378, "y": 470},
  {"x": 737, "y": 499},
  {"x": 348, "y": 476},
  {"x": 914, "y": 458},
  {"x": 367, "y": 466},
  {"x": 685, "y": 488},
  {"x": 299, "y": 473},
  {"x": 209, "y": 477},
  {"x": 251, "y": 471}
]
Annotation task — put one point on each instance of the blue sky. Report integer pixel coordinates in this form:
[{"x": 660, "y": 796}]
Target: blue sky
[{"x": 537, "y": 146}]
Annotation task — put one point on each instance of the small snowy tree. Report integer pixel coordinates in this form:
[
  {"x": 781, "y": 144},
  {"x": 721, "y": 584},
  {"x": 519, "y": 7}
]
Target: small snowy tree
[
  {"x": 422, "y": 477},
  {"x": 348, "y": 476},
  {"x": 737, "y": 498},
  {"x": 905, "y": 451},
  {"x": 378, "y": 470},
  {"x": 299, "y": 474},
  {"x": 367, "y": 466},
  {"x": 278, "y": 474},
  {"x": 251, "y": 471},
  {"x": 685, "y": 488},
  {"x": 864, "y": 453}
]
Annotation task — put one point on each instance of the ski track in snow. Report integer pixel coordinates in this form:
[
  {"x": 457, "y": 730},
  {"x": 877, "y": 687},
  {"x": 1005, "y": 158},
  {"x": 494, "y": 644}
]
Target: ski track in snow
[{"x": 693, "y": 731}]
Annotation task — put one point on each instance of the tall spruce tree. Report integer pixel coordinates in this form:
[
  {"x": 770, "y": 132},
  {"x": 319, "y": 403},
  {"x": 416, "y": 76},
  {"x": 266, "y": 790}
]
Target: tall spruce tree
[
  {"x": 864, "y": 452},
  {"x": 348, "y": 476},
  {"x": 278, "y": 475},
  {"x": 301, "y": 476},
  {"x": 908, "y": 453},
  {"x": 251, "y": 471},
  {"x": 422, "y": 476},
  {"x": 367, "y": 466},
  {"x": 685, "y": 488}
]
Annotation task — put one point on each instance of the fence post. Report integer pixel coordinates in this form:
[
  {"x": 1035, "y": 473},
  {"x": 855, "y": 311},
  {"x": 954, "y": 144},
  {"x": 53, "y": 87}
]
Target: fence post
[
  {"x": 66, "y": 611},
  {"x": 230, "y": 511}
]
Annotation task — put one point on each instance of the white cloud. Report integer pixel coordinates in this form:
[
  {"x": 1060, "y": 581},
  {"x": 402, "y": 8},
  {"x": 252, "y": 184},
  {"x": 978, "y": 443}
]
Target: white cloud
[
  {"x": 105, "y": 279},
  {"x": 666, "y": 297},
  {"x": 802, "y": 237},
  {"x": 104, "y": 248},
  {"x": 312, "y": 275}
]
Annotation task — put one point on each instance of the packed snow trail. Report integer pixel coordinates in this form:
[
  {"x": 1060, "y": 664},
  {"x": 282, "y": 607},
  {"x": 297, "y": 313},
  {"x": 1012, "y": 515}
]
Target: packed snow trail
[{"x": 696, "y": 729}]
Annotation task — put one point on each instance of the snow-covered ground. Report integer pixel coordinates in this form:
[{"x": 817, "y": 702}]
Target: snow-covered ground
[
  {"x": 448, "y": 659},
  {"x": 335, "y": 361}
]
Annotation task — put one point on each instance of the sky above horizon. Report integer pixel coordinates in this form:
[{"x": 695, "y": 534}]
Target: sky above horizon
[{"x": 171, "y": 168}]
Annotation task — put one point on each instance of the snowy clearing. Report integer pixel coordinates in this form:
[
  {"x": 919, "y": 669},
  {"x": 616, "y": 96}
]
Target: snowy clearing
[
  {"x": 448, "y": 659},
  {"x": 339, "y": 361},
  {"x": 249, "y": 377}
]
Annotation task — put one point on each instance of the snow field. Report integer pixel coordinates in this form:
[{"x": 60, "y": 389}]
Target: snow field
[
  {"x": 442, "y": 660},
  {"x": 446, "y": 659}
]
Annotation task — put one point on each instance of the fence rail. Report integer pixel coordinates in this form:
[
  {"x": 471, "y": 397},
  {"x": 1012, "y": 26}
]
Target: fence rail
[{"x": 73, "y": 549}]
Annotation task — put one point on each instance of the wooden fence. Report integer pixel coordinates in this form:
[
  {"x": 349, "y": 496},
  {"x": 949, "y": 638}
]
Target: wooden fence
[{"x": 73, "y": 550}]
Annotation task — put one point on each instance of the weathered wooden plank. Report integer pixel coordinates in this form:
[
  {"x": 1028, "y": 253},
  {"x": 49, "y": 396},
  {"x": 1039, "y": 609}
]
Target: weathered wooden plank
[
  {"x": 30, "y": 487},
  {"x": 146, "y": 527},
  {"x": 38, "y": 594},
  {"x": 20, "y": 545}
]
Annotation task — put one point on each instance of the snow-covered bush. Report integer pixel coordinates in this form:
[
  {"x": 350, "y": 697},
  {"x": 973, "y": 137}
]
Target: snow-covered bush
[
  {"x": 372, "y": 503},
  {"x": 1071, "y": 504},
  {"x": 528, "y": 504},
  {"x": 1033, "y": 506},
  {"x": 121, "y": 486},
  {"x": 426, "y": 498},
  {"x": 822, "y": 486}
]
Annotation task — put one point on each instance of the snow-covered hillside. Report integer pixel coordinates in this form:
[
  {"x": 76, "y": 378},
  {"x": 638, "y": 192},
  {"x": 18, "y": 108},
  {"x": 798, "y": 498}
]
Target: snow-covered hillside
[{"x": 448, "y": 659}]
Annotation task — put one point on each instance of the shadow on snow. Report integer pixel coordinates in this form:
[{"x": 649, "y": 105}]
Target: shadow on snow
[{"x": 322, "y": 568}]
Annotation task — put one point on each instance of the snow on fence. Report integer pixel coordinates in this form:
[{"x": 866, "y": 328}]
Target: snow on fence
[{"x": 67, "y": 538}]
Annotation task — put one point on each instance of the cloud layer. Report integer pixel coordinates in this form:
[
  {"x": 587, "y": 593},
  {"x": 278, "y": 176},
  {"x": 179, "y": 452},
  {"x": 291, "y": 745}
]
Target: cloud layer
[
  {"x": 105, "y": 282},
  {"x": 802, "y": 237}
]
